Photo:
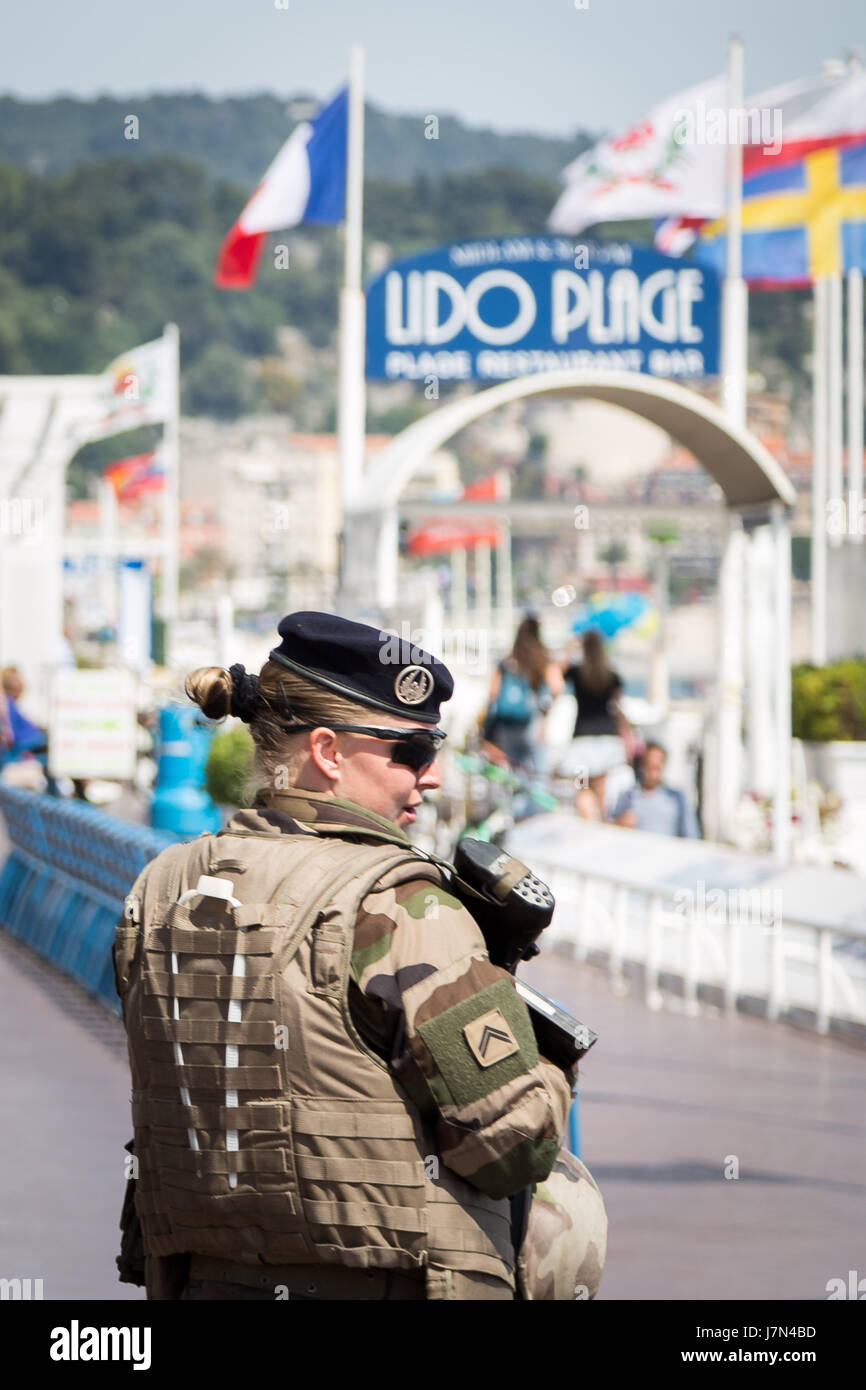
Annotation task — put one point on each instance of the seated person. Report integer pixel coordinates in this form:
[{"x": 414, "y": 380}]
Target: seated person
[
  {"x": 18, "y": 734},
  {"x": 22, "y": 735},
  {"x": 651, "y": 805}
]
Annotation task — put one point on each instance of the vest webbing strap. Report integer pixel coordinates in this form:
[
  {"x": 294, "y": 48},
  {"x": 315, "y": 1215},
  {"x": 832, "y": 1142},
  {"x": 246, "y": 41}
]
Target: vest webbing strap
[
  {"x": 214, "y": 1076},
  {"x": 366, "y": 1214},
  {"x": 269, "y": 914},
  {"x": 284, "y": 1234},
  {"x": 242, "y": 1219},
  {"x": 235, "y": 1208},
  {"x": 250, "y": 914},
  {"x": 221, "y": 1161},
  {"x": 349, "y": 1125},
  {"x": 170, "y": 1114},
  {"x": 406, "y": 1174},
  {"x": 210, "y": 1030},
  {"x": 206, "y": 942},
  {"x": 188, "y": 985}
]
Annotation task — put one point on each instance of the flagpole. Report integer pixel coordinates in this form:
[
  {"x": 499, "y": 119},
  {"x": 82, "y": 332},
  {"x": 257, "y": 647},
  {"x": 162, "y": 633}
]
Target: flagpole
[
  {"x": 835, "y": 387},
  {"x": 855, "y": 399},
  {"x": 855, "y": 381},
  {"x": 819, "y": 471},
  {"x": 735, "y": 302},
  {"x": 108, "y": 546},
  {"x": 351, "y": 390},
  {"x": 170, "y": 450},
  {"x": 729, "y": 703}
]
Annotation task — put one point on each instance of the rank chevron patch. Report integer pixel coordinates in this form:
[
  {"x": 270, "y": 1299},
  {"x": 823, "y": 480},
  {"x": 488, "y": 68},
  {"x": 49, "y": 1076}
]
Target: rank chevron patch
[{"x": 490, "y": 1039}]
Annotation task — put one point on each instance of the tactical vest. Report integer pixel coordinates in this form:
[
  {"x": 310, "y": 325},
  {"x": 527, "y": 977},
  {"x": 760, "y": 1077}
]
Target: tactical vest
[{"x": 266, "y": 1130}]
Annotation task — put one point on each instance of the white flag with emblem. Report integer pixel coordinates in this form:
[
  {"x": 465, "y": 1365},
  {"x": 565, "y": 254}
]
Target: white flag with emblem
[
  {"x": 664, "y": 164},
  {"x": 137, "y": 390}
]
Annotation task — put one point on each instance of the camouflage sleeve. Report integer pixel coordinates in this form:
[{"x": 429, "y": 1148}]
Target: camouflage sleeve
[{"x": 459, "y": 1038}]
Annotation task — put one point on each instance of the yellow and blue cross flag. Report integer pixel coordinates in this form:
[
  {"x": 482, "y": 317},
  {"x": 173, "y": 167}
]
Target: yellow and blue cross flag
[{"x": 800, "y": 222}]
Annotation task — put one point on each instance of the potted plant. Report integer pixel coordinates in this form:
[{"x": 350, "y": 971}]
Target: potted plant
[
  {"x": 828, "y": 709},
  {"x": 228, "y": 767}
]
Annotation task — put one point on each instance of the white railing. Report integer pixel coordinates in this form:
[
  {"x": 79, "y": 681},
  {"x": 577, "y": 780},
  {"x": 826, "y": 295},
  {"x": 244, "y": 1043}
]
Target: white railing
[{"x": 745, "y": 943}]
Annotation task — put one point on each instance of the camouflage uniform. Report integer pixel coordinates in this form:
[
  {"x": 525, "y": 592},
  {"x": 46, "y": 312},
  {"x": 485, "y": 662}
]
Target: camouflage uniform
[
  {"x": 420, "y": 988},
  {"x": 418, "y": 955}
]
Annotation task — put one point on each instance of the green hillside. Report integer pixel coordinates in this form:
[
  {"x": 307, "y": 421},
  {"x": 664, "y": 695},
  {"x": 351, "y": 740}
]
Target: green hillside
[
  {"x": 235, "y": 138},
  {"x": 100, "y": 259},
  {"x": 103, "y": 241}
]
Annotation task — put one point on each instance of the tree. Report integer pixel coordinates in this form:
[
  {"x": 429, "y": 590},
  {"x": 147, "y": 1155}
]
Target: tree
[
  {"x": 218, "y": 384},
  {"x": 280, "y": 391},
  {"x": 613, "y": 555}
]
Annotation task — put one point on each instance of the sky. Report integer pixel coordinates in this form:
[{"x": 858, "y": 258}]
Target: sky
[{"x": 550, "y": 66}]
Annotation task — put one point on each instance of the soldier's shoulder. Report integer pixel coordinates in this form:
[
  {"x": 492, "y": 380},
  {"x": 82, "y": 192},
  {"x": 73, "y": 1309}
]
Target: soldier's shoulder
[
  {"x": 417, "y": 914},
  {"x": 416, "y": 922},
  {"x": 413, "y": 887},
  {"x": 169, "y": 862},
  {"x": 169, "y": 857}
]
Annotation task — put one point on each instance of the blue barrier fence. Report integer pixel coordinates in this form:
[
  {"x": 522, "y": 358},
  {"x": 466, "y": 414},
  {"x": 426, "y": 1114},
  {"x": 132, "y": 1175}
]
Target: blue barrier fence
[{"x": 63, "y": 883}]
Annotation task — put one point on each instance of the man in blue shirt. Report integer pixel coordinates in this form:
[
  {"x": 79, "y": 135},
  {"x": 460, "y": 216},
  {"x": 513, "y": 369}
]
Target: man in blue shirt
[{"x": 650, "y": 805}]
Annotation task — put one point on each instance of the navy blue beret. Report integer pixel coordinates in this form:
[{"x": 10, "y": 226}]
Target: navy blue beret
[{"x": 366, "y": 664}]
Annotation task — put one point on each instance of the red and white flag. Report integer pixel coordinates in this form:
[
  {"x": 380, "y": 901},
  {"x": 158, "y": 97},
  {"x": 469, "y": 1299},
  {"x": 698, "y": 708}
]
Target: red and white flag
[{"x": 814, "y": 113}]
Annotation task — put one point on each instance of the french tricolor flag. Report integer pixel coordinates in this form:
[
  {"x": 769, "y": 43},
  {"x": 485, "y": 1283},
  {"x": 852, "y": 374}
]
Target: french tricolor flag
[{"x": 305, "y": 183}]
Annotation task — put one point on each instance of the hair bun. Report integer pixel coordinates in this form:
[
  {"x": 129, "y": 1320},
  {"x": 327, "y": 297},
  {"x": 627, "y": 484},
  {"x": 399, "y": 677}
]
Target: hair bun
[{"x": 245, "y": 693}]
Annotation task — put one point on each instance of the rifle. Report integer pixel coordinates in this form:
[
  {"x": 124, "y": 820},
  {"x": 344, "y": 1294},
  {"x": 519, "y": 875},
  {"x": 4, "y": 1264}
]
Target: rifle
[{"x": 512, "y": 908}]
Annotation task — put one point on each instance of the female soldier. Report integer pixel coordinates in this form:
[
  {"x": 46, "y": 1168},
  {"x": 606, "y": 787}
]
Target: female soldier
[{"x": 335, "y": 1091}]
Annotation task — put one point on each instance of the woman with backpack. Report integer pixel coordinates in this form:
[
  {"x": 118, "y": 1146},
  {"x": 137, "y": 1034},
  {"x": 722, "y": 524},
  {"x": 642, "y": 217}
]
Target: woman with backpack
[{"x": 522, "y": 689}]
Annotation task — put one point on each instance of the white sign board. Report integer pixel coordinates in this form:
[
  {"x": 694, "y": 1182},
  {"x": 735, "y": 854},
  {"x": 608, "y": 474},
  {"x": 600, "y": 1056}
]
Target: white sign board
[{"x": 93, "y": 731}]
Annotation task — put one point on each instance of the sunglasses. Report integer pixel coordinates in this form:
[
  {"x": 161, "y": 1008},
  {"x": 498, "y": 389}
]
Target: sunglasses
[{"x": 415, "y": 749}]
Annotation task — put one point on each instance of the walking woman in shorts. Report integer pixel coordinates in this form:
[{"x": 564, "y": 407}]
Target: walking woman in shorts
[{"x": 601, "y": 731}]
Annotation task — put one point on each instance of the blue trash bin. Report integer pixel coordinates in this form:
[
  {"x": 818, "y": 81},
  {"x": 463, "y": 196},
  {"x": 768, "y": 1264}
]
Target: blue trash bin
[{"x": 180, "y": 803}]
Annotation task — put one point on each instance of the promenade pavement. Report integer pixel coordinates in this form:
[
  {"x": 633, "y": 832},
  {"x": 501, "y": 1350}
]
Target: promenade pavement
[{"x": 667, "y": 1103}]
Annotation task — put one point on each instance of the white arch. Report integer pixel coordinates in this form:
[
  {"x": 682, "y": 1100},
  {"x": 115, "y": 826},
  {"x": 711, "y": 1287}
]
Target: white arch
[
  {"x": 745, "y": 470},
  {"x": 748, "y": 475}
]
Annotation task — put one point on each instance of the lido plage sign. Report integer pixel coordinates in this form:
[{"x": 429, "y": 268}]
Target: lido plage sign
[{"x": 495, "y": 309}]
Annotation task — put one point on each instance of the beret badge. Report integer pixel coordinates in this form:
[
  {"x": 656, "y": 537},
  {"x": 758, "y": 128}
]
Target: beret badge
[{"x": 413, "y": 685}]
